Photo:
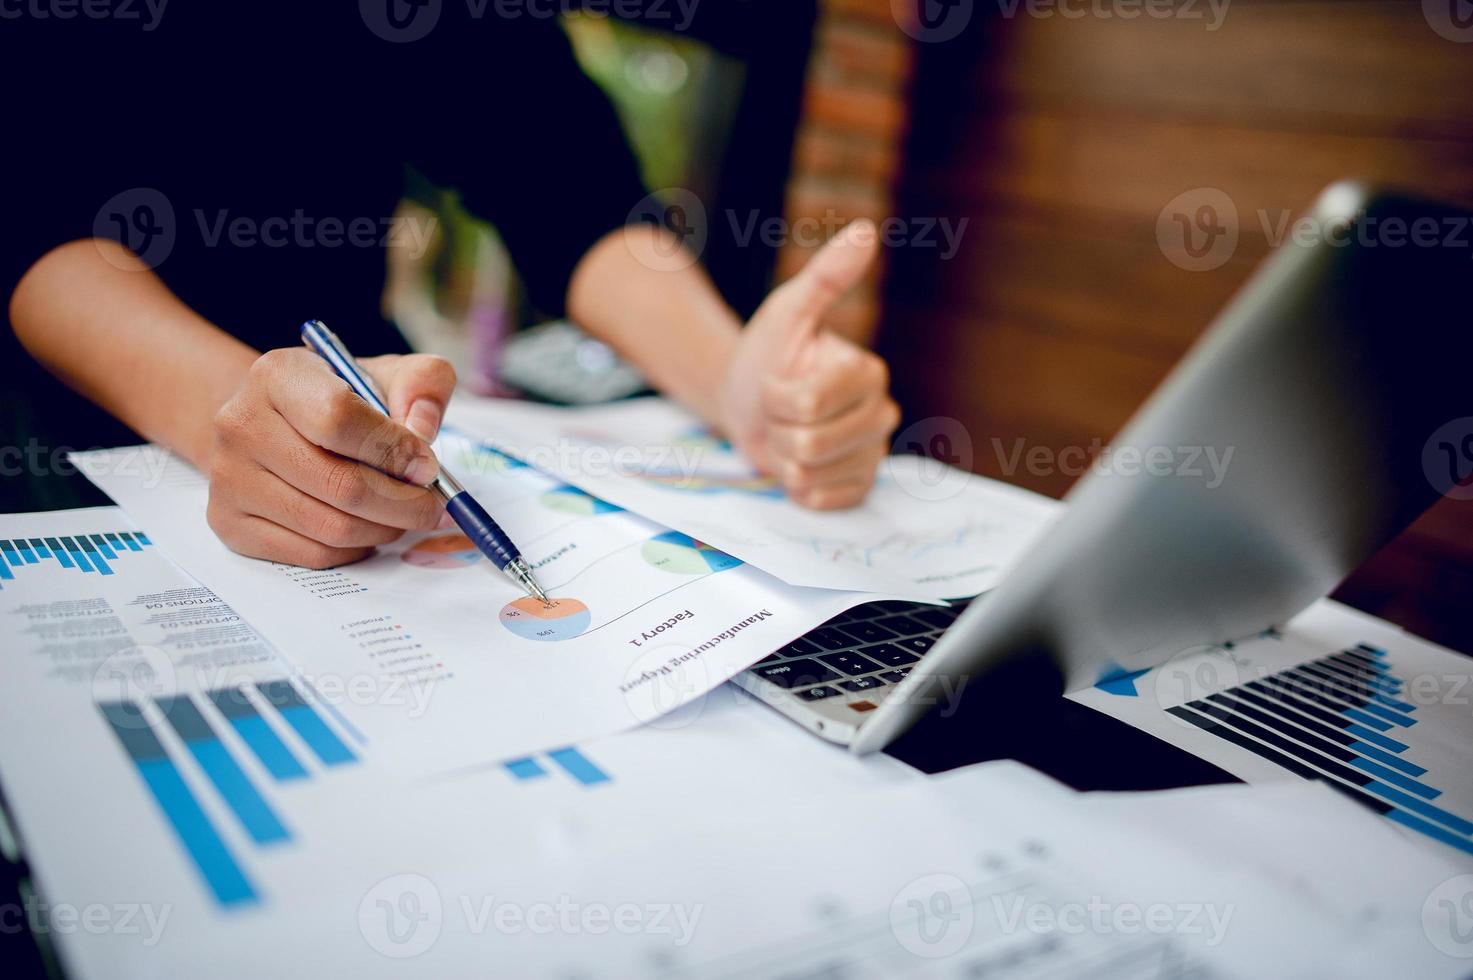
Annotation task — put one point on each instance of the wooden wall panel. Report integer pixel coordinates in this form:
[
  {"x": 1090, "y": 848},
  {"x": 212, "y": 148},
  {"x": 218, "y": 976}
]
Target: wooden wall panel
[{"x": 1334, "y": 65}]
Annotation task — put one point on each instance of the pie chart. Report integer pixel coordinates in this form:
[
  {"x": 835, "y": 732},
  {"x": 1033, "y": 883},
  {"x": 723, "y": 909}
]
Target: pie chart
[
  {"x": 571, "y": 500},
  {"x": 681, "y": 554},
  {"x": 443, "y": 551},
  {"x": 531, "y": 620}
]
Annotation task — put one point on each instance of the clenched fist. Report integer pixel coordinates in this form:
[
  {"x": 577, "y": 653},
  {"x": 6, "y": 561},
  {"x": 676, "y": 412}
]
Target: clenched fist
[{"x": 305, "y": 472}]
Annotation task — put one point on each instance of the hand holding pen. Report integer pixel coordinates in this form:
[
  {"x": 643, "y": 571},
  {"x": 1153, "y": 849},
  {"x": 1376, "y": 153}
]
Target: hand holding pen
[
  {"x": 304, "y": 471},
  {"x": 478, "y": 525}
]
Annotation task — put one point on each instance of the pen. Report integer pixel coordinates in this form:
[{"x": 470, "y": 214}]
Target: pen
[{"x": 484, "y": 532}]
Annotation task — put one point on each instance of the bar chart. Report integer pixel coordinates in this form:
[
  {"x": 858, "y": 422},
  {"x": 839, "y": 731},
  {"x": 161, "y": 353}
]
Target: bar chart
[
  {"x": 1342, "y": 719},
  {"x": 242, "y": 715},
  {"x": 86, "y": 553},
  {"x": 230, "y": 781},
  {"x": 572, "y": 763},
  {"x": 306, "y": 722},
  {"x": 265, "y": 716},
  {"x": 194, "y": 829}
]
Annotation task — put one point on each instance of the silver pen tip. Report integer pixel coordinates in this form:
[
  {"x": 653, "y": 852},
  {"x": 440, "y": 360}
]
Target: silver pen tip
[{"x": 521, "y": 573}]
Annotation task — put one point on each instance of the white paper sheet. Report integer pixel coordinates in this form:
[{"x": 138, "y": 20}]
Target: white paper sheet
[
  {"x": 719, "y": 841},
  {"x": 426, "y": 645},
  {"x": 926, "y": 531},
  {"x": 1401, "y": 738}
]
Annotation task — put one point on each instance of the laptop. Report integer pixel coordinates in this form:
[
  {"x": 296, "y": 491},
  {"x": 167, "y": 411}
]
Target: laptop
[{"x": 1328, "y": 378}]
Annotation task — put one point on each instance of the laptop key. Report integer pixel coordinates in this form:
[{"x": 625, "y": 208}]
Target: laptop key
[
  {"x": 796, "y": 673},
  {"x": 895, "y": 676},
  {"x": 798, "y": 648},
  {"x": 937, "y": 617},
  {"x": 850, "y": 663},
  {"x": 818, "y": 693},
  {"x": 904, "y": 625},
  {"x": 862, "y": 684},
  {"x": 867, "y": 632},
  {"x": 890, "y": 655},
  {"x": 917, "y": 644},
  {"x": 771, "y": 658},
  {"x": 829, "y": 638}
]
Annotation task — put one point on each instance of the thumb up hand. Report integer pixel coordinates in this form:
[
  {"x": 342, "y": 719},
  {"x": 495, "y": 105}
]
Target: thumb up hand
[{"x": 805, "y": 405}]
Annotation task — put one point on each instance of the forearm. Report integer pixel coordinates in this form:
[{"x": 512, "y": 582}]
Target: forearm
[
  {"x": 100, "y": 320},
  {"x": 639, "y": 293}
]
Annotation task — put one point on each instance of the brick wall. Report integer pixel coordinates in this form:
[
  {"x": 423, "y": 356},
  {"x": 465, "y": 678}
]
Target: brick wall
[{"x": 847, "y": 156}]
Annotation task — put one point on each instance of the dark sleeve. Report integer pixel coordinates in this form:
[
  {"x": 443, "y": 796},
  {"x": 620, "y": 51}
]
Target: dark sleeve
[{"x": 533, "y": 146}]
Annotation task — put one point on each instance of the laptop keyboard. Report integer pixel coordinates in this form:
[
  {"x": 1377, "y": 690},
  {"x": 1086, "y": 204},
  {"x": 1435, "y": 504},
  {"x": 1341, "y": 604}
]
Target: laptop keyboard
[{"x": 864, "y": 649}]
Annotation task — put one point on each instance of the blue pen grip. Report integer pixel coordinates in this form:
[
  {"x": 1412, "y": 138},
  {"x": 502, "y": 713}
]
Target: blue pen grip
[{"x": 484, "y": 533}]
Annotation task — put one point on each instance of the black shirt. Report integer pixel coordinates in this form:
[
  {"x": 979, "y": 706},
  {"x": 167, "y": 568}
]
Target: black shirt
[{"x": 254, "y": 154}]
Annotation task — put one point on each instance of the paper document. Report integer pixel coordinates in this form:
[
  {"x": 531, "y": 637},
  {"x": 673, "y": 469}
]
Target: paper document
[
  {"x": 1220, "y": 862},
  {"x": 1336, "y": 696},
  {"x": 190, "y": 805},
  {"x": 426, "y": 644},
  {"x": 926, "y": 530}
]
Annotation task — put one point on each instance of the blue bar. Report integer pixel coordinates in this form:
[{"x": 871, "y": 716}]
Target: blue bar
[
  {"x": 337, "y": 715},
  {"x": 257, "y": 734},
  {"x": 1358, "y": 659},
  {"x": 85, "y": 543},
  {"x": 104, "y": 547},
  {"x": 235, "y": 786},
  {"x": 1366, "y": 735},
  {"x": 128, "y": 540},
  {"x": 1395, "y": 778},
  {"x": 1358, "y": 715},
  {"x": 190, "y": 824},
  {"x": 1371, "y": 752},
  {"x": 269, "y": 748},
  {"x": 1373, "y": 651},
  {"x": 40, "y": 547},
  {"x": 1393, "y": 703},
  {"x": 1435, "y": 813},
  {"x": 1389, "y": 715},
  {"x": 115, "y": 541},
  {"x": 26, "y": 552},
  {"x": 5, "y": 572},
  {"x": 10, "y": 553},
  {"x": 196, "y": 833},
  {"x": 317, "y": 735},
  {"x": 1360, "y": 685},
  {"x": 1355, "y": 678},
  {"x": 306, "y": 722},
  {"x": 1358, "y": 680},
  {"x": 142, "y": 538},
  {"x": 577, "y": 765},
  {"x": 76, "y": 553},
  {"x": 58, "y": 552},
  {"x": 1436, "y": 833},
  {"x": 525, "y": 768}
]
